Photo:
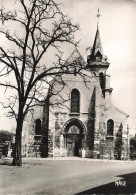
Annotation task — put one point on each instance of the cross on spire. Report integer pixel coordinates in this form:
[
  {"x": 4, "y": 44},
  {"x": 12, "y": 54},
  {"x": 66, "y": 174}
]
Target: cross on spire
[{"x": 98, "y": 16}]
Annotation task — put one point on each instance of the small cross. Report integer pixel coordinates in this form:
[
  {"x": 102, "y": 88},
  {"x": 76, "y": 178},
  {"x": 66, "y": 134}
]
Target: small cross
[{"x": 98, "y": 16}]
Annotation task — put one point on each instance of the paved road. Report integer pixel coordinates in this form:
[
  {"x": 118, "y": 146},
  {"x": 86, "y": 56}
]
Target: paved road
[{"x": 68, "y": 177}]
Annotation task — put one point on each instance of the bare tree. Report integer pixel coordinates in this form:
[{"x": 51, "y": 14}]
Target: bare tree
[{"x": 38, "y": 26}]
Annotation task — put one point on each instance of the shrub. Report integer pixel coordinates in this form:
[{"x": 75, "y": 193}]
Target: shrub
[{"x": 5, "y": 136}]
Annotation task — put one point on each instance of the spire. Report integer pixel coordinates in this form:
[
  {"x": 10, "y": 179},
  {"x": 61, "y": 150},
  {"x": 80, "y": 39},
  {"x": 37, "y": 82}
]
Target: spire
[
  {"x": 96, "y": 52},
  {"x": 97, "y": 46}
]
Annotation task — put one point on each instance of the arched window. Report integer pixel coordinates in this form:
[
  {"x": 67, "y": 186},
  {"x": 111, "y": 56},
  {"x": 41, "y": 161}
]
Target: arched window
[
  {"x": 75, "y": 101},
  {"x": 110, "y": 127},
  {"x": 38, "y": 127},
  {"x": 102, "y": 80}
]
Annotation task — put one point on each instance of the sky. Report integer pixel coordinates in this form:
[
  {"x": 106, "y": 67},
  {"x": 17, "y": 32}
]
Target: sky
[{"x": 117, "y": 28}]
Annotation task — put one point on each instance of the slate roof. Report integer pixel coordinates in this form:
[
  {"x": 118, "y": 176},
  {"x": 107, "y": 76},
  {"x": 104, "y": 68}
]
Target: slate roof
[{"x": 97, "y": 46}]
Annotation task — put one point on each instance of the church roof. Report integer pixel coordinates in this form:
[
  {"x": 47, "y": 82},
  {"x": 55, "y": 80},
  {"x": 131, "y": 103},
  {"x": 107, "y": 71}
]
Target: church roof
[
  {"x": 75, "y": 57},
  {"x": 127, "y": 115},
  {"x": 105, "y": 102},
  {"x": 97, "y": 46},
  {"x": 97, "y": 51}
]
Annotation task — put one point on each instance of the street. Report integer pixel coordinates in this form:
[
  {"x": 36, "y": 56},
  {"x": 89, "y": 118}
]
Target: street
[{"x": 79, "y": 176}]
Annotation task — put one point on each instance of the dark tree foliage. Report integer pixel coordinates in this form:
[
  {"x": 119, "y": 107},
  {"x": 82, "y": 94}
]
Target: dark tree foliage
[
  {"x": 5, "y": 136},
  {"x": 133, "y": 148}
]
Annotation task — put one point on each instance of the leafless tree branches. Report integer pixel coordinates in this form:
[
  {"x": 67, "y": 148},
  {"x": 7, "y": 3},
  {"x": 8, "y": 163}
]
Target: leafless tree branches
[{"x": 40, "y": 25}]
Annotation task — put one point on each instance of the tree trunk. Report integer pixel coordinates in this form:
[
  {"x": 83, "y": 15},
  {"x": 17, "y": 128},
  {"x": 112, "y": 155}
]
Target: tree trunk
[{"x": 17, "y": 156}]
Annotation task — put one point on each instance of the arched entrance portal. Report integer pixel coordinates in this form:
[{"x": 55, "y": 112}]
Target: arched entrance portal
[{"x": 74, "y": 136}]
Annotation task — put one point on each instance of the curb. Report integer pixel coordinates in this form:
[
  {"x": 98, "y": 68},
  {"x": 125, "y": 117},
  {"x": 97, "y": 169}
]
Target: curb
[{"x": 73, "y": 159}]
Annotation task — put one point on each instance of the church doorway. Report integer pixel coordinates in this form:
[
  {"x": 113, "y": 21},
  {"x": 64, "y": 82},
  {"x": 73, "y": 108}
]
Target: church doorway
[
  {"x": 73, "y": 143},
  {"x": 74, "y": 137}
]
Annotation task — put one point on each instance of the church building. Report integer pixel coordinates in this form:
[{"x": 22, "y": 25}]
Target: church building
[{"x": 81, "y": 120}]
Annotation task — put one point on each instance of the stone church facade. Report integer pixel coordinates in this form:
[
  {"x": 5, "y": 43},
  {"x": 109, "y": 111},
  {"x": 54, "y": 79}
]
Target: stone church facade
[{"x": 80, "y": 120}]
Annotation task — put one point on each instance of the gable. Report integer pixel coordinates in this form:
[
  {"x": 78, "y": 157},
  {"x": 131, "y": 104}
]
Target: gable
[{"x": 75, "y": 58}]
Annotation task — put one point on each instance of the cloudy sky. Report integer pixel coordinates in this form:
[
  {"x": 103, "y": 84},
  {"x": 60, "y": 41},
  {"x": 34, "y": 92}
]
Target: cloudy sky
[{"x": 118, "y": 34}]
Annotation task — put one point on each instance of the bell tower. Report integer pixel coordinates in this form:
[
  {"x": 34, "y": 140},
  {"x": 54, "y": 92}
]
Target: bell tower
[{"x": 98, "y": 63}]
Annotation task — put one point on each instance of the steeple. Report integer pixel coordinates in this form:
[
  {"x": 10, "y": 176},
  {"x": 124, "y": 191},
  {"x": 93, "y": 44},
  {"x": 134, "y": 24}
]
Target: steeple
[
  {"x": 98, "y": 64},
  {"x": 97, "y": 49},
  {"x": 96, "y": 53},
  {"x": 97, "y": 46}
]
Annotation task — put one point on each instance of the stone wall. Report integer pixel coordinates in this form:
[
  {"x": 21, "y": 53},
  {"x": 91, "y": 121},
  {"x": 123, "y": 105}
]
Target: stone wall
[
  {"x": 94, "y": 114},
  {"x": 32, "y": 147},
  {"x": 119, "y": 143},
  {"x": 61, "y": 114}
]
